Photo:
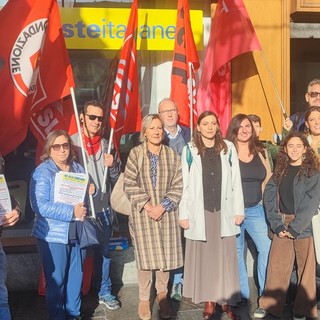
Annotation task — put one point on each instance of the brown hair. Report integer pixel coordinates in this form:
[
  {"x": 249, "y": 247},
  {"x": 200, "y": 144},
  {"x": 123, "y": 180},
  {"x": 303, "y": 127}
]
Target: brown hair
[
  {"x": 310, "y": 163},
  {"x": 51, "y": 137},
  {"x": 307, "y": 115},
  {"x": 219, "y": 144},
  {"x": 255, "y": 146},
  {"x": 94, "y": 103},
  {"x": 254, "y": 118}
]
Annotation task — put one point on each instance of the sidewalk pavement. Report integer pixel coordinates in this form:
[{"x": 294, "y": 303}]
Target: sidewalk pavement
[{"x": 27, "y": 305}]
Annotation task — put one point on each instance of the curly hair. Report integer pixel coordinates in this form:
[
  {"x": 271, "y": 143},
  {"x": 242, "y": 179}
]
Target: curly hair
[{"x": 310, "y": 163}]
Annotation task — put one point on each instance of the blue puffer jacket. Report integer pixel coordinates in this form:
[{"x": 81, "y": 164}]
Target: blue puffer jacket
[{"x": 52, "y": 220}]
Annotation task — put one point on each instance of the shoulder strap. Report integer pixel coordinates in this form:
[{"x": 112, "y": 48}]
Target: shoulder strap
[
  {"x": 229, "y": 158},
  {"x": 189, "y": 157}
]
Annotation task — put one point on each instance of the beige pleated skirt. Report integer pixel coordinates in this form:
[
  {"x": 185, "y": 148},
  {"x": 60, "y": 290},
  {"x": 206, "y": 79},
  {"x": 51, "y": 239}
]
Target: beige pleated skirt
[{"x": 211, "y": 267}]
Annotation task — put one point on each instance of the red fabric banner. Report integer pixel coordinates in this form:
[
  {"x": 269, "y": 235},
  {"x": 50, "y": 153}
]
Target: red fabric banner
[
  {"x": 125, "y": 114},
  {"x": 232, "y": 34},
  {"x": 36, "y": 70},
  {"x": 185, "y": 63},
  {"x": 58, "y": 115}
]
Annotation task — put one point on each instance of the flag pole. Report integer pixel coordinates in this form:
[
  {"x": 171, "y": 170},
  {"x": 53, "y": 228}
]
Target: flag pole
[
  {"x": 274, "y": 84},
  {"x": 84, "y": 157},
  {"x": 105, "y": 173},
  {"x": 190, "y": 94}
]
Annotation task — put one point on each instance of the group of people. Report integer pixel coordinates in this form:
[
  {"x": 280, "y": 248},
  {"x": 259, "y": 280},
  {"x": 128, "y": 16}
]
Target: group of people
[{"x": 211, "y": 189}]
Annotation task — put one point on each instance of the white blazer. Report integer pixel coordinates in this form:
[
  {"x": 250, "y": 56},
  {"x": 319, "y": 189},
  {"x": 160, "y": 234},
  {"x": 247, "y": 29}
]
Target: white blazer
[{"x": 192, "y": 206}]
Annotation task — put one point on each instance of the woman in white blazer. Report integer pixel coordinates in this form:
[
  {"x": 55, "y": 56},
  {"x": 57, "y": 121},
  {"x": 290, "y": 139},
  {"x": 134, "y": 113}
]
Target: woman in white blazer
[{"x": 210, "y": 212}]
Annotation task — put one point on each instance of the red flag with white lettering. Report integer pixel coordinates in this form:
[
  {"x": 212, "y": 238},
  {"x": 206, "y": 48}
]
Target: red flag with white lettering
[
  {"x": 232, "y": 34},
  {"x": 184, "y": 65},
  {"x": 58, "y": 115},
  {"x": 125, "y": 114},
  {"x": 35, "y": 67}
]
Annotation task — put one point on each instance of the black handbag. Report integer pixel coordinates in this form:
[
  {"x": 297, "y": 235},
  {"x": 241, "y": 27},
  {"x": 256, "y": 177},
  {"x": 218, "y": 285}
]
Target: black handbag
[{"x": 92, "y": 233}]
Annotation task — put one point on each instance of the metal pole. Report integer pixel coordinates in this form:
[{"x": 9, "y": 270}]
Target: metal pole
[
  {"x": 84, "y": 156},
  {"x": 274, "y": 84}
]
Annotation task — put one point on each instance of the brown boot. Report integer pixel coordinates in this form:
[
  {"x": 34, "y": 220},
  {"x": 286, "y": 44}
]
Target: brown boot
[
  {"x": 164, "y": 305},
  {"x": 144, "y": 310}
]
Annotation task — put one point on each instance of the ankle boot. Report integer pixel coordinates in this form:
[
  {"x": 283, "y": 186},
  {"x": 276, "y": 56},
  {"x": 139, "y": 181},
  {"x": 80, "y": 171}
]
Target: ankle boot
[
  {"x": 230, "y": 314},
  {"x": 164, "y": 305},
  {"x": 209, "y": 310},
  {"x": 144, "y": 310}
]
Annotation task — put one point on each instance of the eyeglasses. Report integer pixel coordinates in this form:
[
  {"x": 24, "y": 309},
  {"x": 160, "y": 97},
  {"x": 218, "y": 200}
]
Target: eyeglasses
[
  {"x": 167, "y": 111},
  {"x": 57, "y": 147},
  {"x": 314, "y": 94},
  {"x": 93, "y": 117}
]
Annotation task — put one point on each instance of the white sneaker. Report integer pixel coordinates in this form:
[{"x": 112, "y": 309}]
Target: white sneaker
[
  {"x": 299, "y": 318},
  {"x": 260, "y": 313}
]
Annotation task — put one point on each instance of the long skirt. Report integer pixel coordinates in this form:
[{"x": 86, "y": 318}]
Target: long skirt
[{"x": 211, "y": 267}]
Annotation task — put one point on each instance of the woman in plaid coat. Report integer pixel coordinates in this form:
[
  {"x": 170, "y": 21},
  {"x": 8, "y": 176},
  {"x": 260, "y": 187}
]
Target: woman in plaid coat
[{"x": 153, "y": 184}]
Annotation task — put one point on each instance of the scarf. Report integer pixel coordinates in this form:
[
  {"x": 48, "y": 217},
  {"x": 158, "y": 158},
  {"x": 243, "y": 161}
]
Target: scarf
[{"x": 92, "y": 145}]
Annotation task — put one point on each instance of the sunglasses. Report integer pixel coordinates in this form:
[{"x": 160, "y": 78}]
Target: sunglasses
[
  {"x": 93, "y": 117},
  {"x": 57, "y": 147},
  {"x": 314, "y": 94}
]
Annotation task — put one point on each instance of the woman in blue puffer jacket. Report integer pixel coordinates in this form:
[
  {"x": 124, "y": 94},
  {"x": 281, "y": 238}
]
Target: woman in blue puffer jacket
[{"x": 57, "y": 227}]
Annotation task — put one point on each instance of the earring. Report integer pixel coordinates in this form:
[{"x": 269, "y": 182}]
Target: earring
[{"x": 303, "y": 157}]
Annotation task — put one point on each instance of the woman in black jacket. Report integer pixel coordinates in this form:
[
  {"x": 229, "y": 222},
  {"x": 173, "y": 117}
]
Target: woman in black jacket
[{"x": 291, "y": 199}]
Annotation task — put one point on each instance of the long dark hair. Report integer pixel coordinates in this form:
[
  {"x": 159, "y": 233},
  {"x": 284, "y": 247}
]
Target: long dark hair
[
  {"x": 310, "y": 163},
  {"x": 219, "y": 144},
  {"x": 255, "y": 145}
]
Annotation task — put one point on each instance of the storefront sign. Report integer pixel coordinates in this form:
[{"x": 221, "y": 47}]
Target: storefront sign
[{"x": 104, "y": 28}]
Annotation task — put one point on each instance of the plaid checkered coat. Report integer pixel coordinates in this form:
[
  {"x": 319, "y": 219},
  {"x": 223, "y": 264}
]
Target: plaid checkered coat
[{"x": 157, "y": 243}]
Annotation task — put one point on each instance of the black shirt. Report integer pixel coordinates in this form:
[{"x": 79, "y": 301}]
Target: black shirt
[
  {"x": 211, "y": 180},
  {"x": 286, "y": 203},
  {"x": 253, "y": 174}
]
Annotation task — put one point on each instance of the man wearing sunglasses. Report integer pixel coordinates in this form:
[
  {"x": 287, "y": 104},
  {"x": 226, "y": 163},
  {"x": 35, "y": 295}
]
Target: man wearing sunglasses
[
  {"x": 296, "y": 122},
  {"x": 98, "y": 160}
]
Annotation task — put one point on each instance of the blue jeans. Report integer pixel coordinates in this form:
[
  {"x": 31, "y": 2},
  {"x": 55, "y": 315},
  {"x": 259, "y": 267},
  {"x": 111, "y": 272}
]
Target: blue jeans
[
  {"x": 256, "y": 226},
  {"x": 62, "y": 266},
  {"x": 4, "y": 306},
  {"x": 103, "y": 251}
]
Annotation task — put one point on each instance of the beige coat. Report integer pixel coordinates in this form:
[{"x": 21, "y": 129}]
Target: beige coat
[{"x": 157, "y": 243}]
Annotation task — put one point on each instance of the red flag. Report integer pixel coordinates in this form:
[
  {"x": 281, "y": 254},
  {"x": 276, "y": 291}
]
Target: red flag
[
  {"x": 185, "y": 63},
  {"x": 232, "y": 34},
  {"x": 36, "y": 70},
  {"x": 125, "y": 114},
  {"x": 58, "y": 115}
]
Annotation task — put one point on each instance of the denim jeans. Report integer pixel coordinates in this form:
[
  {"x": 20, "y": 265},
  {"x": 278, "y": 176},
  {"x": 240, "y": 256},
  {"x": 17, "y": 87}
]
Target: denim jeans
[
  {"x": 103, "y": 251},
  {"x": 256, "y": 226},
  {"x": 62, "y": 266},
  {"x": 4, "y": 306}
]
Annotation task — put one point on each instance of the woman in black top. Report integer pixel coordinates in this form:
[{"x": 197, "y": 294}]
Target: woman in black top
[
  {"x": 291, "y": 199},
  {"x": 255, "y": 173}
]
